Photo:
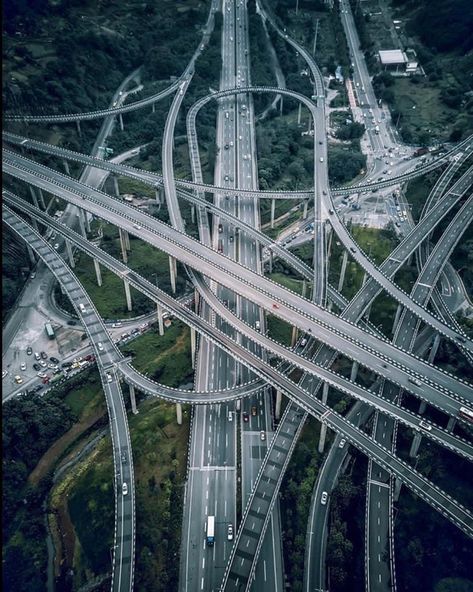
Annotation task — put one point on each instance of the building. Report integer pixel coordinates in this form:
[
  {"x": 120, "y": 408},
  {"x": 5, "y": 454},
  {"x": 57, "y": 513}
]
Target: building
[{"x": 403, "y": 63}]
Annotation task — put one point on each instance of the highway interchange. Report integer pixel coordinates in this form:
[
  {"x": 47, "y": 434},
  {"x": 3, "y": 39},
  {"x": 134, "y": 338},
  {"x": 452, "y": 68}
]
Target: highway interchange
[{"x": 233, "y": 348}]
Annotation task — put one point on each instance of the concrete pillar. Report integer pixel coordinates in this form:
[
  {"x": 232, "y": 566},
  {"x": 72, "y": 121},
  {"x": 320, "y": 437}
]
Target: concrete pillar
[
  {"x": 193, "y": 214},
  {"x": 193, "y": 344},
  {"x": 415, "y": 445},
  {"x": 126, "y": 236},
  {"x": 354, "y": 371},
  {"x": 397, "y": 317},
  {"x": 270, "y": 262},
  {"x": 79, "y": 131},
  {"x": 343, "y": 270},
  {"x": 179, "y": 413},
  {"x": 31, "y": 255},
  {"x": 329, "y": 235},
  {"x": 133, "y": 399},
  {"x": 173, "y": 270},
  {"x": 422, "y": 407},
  {"x": 451, "y": 423},
  {"x": 304, "y": 213},
  {"x": 294, "y": 336},
  {"x": 277, "y": 411},
  {"x": 158, "y": 196},
  {"x": 196, "y": 300},
  {"x": 304, "y": 287},
  {"x": 273, "y": 208},
  {"x": 159, "y": 312},
  {"x": 41, "y": 198},
  {"x": 281, "y": 105},
  {"x": 299, "y": 114},
  {"x": 34, "y": 196},
  {"x": 115, "y": 185},
  {"x": 34, "y": 224},
  {"x": 123, "y": 245},
  {"x": 153, "y": 108},
  {"x": 434, "y": 349},
  {"x": 126, "y": 284},
  {"x": 72, "y": 263},
  {"x": 98, "y": 272},
  {"x": 323, "y": 426},
  {"x": 87, "y": 219},
  {"x": 397, "y": 489},
  {"x": 81, "y": 223},
  {"x": 120, "y": 118},
  {"x": 66, "y": 167}
]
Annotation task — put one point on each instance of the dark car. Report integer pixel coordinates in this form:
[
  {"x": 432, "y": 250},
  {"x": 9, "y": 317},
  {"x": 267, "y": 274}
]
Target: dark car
[
  {"x": 54, "y": 360},
  {"x": 29, "y": 351},
  {"x": 66, "y": 364},
  {"x": 72, "y": 323},
  {"x": 254, "y": 410},
  {"x": 246, "y": 417},
  {"x": 36, "y": 367},
  {"x": 44, "y": 355}
]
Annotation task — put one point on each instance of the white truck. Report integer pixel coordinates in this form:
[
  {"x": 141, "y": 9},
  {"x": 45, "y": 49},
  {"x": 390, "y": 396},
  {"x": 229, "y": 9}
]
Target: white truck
[{"x": 210, "y": 530}]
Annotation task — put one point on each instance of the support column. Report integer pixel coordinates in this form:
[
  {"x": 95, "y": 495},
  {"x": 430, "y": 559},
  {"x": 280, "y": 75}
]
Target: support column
[
  {"x": 34, "y": 224},
  {"x": 126, "y": 236},
  {"x": 281, "y": 105},
  {"x": 277, "y": 411},
  {"x": 179, "y": 413},
  {"x": 66, "y": 167},
  {"x": 343, "y": 270},
  {"x": 451, "y": 423},
  {"x": 304, "y": 213},
  {"x": 354, "y": 371},
  {"x": 134, "y": 410},
  {"x": 81, "y": 223},
  {"x": 79, "y": 131},
  {"x": 397, "y": 489},
  {"x": 31, "y": 255},
  {"x": 173, "y": 270},
  {"x": 273, "y": 208},
  {"x": 34, "y": 196},
  {"x": 72, "y": 263},
  {"x": 127, "y": 294},
  {"x": 159, "y": 312},
  {"x": 87, "y": 219},
  {"x": 153, "y": 108},
  {"x": 270, "y": 261},
  {"x": 434, "y": 349},
  {"x": 120, "y": 118},
  {"x": 193, "y": 344},
  {"x": 123, "y": 245},
  {"x": 329, "y": 234},
  {"x": 397, "y": 317},
  {"x": 41, "y": 198},
  {"x": 304, "y": 287},
  {"x": 196, "y": 301},
  {"x": 415, "y": 445},
  {"x": 294, "y": 336},
  {"x": 323, "y": 426},
  {"x": 193, "y": 214},
  {"x": 299, "y": 114},
  {"x": 115, "y": 185},
  {"x": 98, "y": 272}
]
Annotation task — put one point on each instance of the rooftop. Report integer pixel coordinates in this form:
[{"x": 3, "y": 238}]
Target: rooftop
[{"x": 392, "y": 56}]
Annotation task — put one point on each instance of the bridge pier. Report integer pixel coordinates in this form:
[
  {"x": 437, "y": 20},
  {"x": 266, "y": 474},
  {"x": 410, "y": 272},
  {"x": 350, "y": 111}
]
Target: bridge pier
[
  {"x": 123, "y": 246},
  {"x": 294, "y": 336},
  {"x": 87, "y": 219},
  {"x": 451, "y": 423},
  {"x": 98, "y": 272},
  {"x": 354, "y": 371},
  {"x": 343, "y": 270},
  {"x": 153, "y": 108},
  {"x": 79, "y": 131},
  {"x": 196, "y": 300},
  {"x": 299, "y": 112},
  {"x": 41, "y": 198},
  {"x": 270, "y": 261},
  {"x": 126, "y": 237},
  {"x": 82, "y": 223},
  {"x": 304, "y": 288},
  {"x": 34, "y": 224},
  {"x": 115, "y": 185},
  {"x": 415, "y": 445},
  {"x": 179, "y": 413},
  {"x": 397, "y": 489},
  {"x": 31, "y": 255},
  {"x": 434, "y": 349},
  {"x": 273, "y": 208},
  {"x": 173, "y": 271},
  {"x": 277, "y": 410},
  {"x": 397, "y": 317},
  {"x": 120, "y": 118},
  {"x": 70, "y": 254},
  {"x": 281, "y": 105},
  {"x": 323, "y": 426},
  {"x": 193, "y": 346},
  {"x": 193, "y": 214},
  {"x": 159, "y": 312},
  {"x": 34, "y": 196},
  {"x": 66, "y": 167},
  {"x": 306, "y": 206},
  {"x": 134, "y": 409},
  {"x": 329, "y": 235},
  {"x": 126, "y": 285}
]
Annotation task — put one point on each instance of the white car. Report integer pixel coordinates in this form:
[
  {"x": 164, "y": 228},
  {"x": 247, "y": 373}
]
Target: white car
[
  {"x": 323, "y": 499},
  {"x": 342, "y": 443},
  {"x": 100, "y": 346},
  {"x": 230, "y": 532},
  {"x": 125, "y": 489},
  {"x": 23, "y": 366}
]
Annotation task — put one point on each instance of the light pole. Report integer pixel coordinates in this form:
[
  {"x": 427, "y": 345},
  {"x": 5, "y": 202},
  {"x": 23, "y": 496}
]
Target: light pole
[{"x": 315, "y": 35}]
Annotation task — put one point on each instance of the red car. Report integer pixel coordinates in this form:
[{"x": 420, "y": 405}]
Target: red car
[
  {"x": 275, "y": 305},
  {"x": 245, "y": 416}
]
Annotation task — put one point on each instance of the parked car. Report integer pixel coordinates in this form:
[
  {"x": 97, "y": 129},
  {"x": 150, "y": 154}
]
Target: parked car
[
  {"x": 246, "y": 417},
  {"x": 44, "y": 355},
  {"x": 36, "y": 367},
  {"x": 29, "y": 351},
  {"x": 53, "y": 359}
]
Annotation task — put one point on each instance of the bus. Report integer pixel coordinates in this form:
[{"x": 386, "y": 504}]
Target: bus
[
  {"x": 210, "y": 529},
  {"x": 49, "y": 330},
  {"x": 466, "y": 414}
]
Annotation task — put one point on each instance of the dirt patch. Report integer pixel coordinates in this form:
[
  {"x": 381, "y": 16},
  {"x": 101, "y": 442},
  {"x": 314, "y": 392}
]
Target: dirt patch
[{"x": 51, "y": 456}]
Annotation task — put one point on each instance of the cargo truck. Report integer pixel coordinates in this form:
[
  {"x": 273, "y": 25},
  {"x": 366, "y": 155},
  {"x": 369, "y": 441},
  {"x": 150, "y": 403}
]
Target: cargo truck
[{"x": 210, "y": 530}]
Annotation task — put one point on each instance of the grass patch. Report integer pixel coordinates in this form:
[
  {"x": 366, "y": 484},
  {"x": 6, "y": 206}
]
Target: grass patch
[
  {"x": 288, "y": 282},
  {"x": 279, "y": 330}
]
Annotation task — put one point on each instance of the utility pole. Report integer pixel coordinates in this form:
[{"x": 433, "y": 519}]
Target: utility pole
[{"x": 297, "y": 6}]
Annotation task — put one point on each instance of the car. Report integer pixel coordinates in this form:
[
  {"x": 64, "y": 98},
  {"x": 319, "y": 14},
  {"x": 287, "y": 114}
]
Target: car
[
  {"x": 29, "y": 351},
  {"x": 36, "y": 367},
  {"x": 254, "y": 410},
  {"x": 342, "y": 443},
  {"x": 331, "y": 212},
  {"x": 43, "y": 364},
  {"x": 23, "y": 366},
  {"x": 320, "y": 142},
  {"x": 230, "y": 532},
  {"x": 125, "y": 489},
  {"x": 246, "y": 417},
  {"x": 226, "y": 178},
  {"x": 324, "y": 192},
  {"x": 18, "y": 379},
  {"x": 262, "y": 435},
  {"x": 226, "y": 146},
  {"x": 33, "y": 275},
  {"x": 109, "y": 377},
  {"x": 53, "y": 359},
  {"x": 66, "y": 364},
  {"x": 37, "y": 356},
  {"x": 116, "y": 325},
  {"x": 426, "y": 426},
  {"x": 415, "y": 381},
  {"x": 231, "y": 143},
  {"x": 321, "y": 159},
  {"x": 303, "y": 341},
  {"x": 230, "y": 416},
  {"x": 323, "y": 499},
  {"x": 52, "y": 366},
  {"x": 42, "y": 375},
  {"x": 275, "y": 305},
  {"x": 72, "y": 323},
  {"x": 257, "y": 325},
  {"x": 352, "y": 249},
  {"x": 230, "y": 238},
  {"x": 4, "y": 373},
  {"x": 56, "y": 246},
  {"x": 137, "y": 226},
  {"x": 100, "y": 346},
  {"x": 44, "y": 355}
]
